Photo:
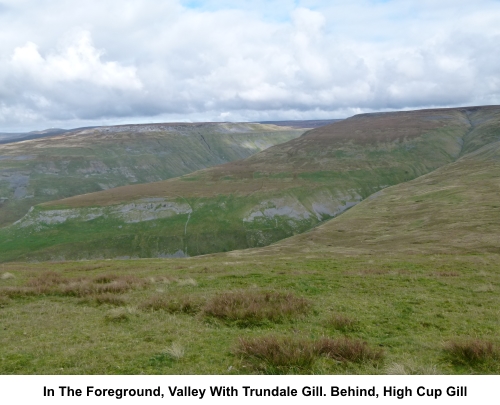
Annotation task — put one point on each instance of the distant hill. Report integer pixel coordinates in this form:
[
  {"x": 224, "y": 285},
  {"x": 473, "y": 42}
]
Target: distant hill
[
  {"x": 301, "y": 124},
  {"x": 6, "y": 137},
  {"x": 65, "y": 163},
  {"x": 279, "y": 192}
]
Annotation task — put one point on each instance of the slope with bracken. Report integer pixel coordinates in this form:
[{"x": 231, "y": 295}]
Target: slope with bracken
[{"x": 279, "y": 192}]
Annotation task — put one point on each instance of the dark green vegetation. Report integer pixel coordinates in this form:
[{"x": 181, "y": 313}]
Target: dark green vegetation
[
  {"x": 412, "y": 314},
  {"x": 282, "y": 191},
  {"x": 94, "y": 159}
]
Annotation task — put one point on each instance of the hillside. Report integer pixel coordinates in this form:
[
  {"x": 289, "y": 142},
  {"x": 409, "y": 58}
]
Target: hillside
[
  {"x": 93, "y": 159},
  {"x": 453, "y": 210},
  {"x": 282, "y": 191}
]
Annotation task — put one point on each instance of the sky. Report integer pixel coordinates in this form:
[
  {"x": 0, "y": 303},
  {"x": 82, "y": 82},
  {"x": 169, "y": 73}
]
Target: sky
[{"x": 69, "y": 64}]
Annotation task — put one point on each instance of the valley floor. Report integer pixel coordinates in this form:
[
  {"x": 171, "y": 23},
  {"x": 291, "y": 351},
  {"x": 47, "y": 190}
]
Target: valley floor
[{"x": 241, "y": 314}]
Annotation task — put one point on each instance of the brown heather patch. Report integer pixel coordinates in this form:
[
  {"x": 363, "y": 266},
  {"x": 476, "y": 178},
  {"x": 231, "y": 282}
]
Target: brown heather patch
[
  {"x": 46, "y": 279},
  {"x": 272, "y": 354},
  {"x": 119, "y": 285},
  {"x": 472, "y": 351},
  {"x": 276, "y": 355},
  {"x": 51, "y": 283},
  {"x": 345, "y": 349},
  {"x": 254, "y": 307}
]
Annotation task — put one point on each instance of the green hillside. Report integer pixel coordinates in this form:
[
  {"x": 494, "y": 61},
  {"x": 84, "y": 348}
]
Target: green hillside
[
  {"x": 89, "y": 160},
  {"x": 282, "y": 191}
]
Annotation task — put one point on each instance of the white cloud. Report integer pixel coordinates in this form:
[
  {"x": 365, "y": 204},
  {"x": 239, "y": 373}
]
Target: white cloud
[
  {"x": 77, "y": 61},
  {"x": 67, "y": 63}
]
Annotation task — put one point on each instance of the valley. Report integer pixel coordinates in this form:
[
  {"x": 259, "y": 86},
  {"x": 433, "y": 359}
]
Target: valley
[
  {"x": 368, "y": 246},
  {"x": 92, "y": 159},
  {"x": 282, "y": 191}
]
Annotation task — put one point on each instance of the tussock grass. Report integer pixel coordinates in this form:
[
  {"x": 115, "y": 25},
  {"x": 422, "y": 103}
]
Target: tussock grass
[
  {"x": 276, "y": 355},
  {"x": 122, "y": 314},
  {"x": 254, "y": 307},
  {"x": 187, "y": 281},
  {"x": 411, "y": 368},
  {"x": 484, "y": 288},
  {"x": 472, "y": 352},
  {"x": 185, "y": 304},
  {"x": 341, "y": 322},
  {"x": 117, "y": 315},
  {"x": 175, "y": 350}
]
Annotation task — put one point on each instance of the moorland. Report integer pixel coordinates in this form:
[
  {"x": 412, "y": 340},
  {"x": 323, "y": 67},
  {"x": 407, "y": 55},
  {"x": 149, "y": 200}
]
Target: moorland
[{"x": 370, "y": 245}]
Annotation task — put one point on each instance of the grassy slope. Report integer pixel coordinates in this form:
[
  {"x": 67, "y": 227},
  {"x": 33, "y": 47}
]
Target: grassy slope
[
  {"x": 408, "y": 305},
  {"x": 330, "y": 167},
  {"x": 454, "y": 209},
  {"x": 90, "y": 160}
]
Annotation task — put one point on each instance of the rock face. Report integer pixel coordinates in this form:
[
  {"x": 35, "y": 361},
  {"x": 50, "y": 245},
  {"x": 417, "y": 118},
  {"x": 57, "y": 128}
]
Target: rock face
[
  {"x": 142, "y": 210},
  {"x": 94, "y": 159}
]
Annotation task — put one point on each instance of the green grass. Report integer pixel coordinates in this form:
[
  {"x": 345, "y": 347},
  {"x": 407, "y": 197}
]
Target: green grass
[{"x": 409, "y": 307}]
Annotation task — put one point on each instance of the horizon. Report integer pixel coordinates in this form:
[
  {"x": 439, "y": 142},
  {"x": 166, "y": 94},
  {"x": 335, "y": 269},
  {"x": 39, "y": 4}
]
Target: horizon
[{"x": 245, "y": 122}]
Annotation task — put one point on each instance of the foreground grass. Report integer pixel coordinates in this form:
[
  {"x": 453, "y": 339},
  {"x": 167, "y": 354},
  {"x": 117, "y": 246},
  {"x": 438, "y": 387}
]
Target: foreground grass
[{"x": 225, "y": 314}]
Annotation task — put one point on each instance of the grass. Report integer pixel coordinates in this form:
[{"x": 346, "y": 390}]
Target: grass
[
  {"x": 183, "y": 304},
  {"x": 402, "y": 309},
  {"x": 109, "y": 299},
  {"x": 341, "y": 322}
]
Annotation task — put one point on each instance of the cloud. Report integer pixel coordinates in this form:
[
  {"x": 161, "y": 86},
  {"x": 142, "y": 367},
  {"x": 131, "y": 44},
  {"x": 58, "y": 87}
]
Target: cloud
[
  {"x": 68, "y": 64},
  {"x": 78, "y": 61}
]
